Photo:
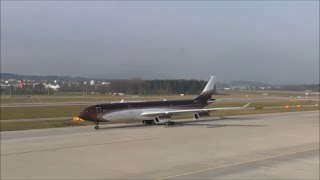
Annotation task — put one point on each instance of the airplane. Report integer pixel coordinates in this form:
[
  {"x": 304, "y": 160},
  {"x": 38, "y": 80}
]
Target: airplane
[{"x": 153, "y": 112}]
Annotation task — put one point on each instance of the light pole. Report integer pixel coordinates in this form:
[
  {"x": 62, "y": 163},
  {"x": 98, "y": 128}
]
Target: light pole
[
  {"x": 10, "y": 85},
  {"x": 85, "y": 83},
  {"x": 10, "y": 90}
]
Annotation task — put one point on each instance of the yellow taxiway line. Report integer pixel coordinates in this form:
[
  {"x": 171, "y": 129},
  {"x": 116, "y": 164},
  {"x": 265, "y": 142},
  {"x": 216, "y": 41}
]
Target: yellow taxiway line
[{"x": 234, "y": 164}]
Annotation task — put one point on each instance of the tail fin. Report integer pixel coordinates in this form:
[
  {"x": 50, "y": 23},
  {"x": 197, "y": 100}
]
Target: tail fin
[{"x": 208, "y": 90}]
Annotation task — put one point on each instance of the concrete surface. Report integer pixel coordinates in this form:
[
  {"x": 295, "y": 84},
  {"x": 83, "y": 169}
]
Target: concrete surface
[{"x": 269, "y": 146}]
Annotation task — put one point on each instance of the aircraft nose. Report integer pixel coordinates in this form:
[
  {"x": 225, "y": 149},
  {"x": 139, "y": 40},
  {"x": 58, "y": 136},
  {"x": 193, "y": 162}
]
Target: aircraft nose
[{"x": 82, "y": 115}]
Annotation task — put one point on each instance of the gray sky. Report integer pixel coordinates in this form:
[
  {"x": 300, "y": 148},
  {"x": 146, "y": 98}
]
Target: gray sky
[{"x": 274, "y": 42}]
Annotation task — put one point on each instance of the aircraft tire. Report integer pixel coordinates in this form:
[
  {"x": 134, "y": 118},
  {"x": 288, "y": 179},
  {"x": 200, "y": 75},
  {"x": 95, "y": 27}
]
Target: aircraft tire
[
  {"x": 147, "y": 122},
  {"x": 168, "y": 123}
]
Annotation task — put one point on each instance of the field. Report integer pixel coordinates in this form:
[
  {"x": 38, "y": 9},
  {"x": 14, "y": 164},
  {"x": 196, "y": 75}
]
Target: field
[
  {"x": 77, "y": 98},
  {"x": 31, "y": 117},
  {"x": 81, "y": 97}
]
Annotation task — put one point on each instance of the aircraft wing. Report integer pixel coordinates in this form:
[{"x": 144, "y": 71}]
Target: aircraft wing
[{"x": 179, "y": 111}]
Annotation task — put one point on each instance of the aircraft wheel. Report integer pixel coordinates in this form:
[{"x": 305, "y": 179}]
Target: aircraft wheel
[
  {"x": 97, "y": 126},
  {"x": 168, "y": 123},
  {"x": 147, "y": 122}
]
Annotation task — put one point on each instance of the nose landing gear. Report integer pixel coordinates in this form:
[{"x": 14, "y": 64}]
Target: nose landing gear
[{"x": 97, "y": 126}]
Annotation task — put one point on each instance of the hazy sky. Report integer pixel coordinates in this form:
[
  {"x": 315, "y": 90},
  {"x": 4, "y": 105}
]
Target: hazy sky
[{"x": 274, "y": 42}]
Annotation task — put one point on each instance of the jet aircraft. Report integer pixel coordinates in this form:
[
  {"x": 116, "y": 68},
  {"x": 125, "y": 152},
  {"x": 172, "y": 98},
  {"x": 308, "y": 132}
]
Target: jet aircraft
[{"x": 153, "y": 112}]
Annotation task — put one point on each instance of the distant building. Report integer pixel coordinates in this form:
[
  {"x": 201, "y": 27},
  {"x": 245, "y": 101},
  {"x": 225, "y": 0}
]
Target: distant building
[
  {"x": 92, "y": 82},
  {"x": 105, "y": 83},
  {"x": 51, "y": 86},
  {"x": 21, "y": 85}
]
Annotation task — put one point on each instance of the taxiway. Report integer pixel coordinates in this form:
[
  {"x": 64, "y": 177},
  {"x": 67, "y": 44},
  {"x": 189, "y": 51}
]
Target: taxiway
[{"x": 269, "y": 146}]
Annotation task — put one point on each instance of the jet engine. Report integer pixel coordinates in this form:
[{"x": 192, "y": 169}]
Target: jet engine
[
  {"x": 199, "y": 115},
  {"x": 162, "y": 119}
]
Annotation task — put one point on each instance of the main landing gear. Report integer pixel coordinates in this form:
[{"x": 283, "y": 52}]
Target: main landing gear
[
  {"x": 97, "y": 126},
  {"x": 169, "y": 123},
  {"x": 147, "y": 122},
  {"x": 150, "y": 122}
]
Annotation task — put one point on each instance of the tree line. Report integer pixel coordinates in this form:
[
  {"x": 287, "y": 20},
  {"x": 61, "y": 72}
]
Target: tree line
[
  {"x": 132, "y": 86},
  {"x": 149, "y": 87},
  {"x": 140, "y": 87}
]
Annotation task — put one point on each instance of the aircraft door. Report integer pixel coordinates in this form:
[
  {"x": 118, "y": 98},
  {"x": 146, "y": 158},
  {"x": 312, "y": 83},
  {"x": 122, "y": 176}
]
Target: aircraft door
[
  {"x": 130, "y": 109},
  {"x": 98, "y": 109}
]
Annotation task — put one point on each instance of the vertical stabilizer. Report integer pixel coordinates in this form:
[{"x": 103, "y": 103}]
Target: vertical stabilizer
[{"x": 208, "y": 90}]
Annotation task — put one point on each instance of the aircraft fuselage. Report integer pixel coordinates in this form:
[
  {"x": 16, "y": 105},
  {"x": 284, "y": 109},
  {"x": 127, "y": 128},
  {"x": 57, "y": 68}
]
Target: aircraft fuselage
[{"x": 132, "y": 110}]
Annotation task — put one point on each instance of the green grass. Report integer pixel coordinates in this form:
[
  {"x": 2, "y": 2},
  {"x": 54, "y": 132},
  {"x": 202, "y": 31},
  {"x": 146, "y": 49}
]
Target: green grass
[
  {"x": 8, "y": 113},
  {"x": 262, "y": 103},
  {"x": 89, "y": 98},
  {"x": 11, "y": 126},
  {"x": 39, "y": 112},
  {"x": 270, "y": 93},
  {"x": 68, "y": 94}
]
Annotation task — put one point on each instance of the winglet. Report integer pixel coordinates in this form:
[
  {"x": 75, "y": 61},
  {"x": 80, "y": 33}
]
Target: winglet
[{"x": 245, "y": 106}]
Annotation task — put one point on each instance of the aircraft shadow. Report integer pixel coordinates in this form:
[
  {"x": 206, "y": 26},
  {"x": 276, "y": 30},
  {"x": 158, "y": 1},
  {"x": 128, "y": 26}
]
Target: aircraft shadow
[
  {"x": 218, "y": 125},
  {"x": 105, "y": 126},
  {"x": 181, "y": 123},
  {"x": 221, "y": 118},
  {"x": 235, "y": 118}
]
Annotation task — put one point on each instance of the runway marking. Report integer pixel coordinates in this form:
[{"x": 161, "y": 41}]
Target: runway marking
[
  {"x": 234, "y": 164},
  {"x": 71, "y": 147}
]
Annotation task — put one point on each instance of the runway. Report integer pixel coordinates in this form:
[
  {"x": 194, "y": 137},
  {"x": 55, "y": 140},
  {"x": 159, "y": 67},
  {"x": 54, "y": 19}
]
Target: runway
[{"x": 268, "y": 146}]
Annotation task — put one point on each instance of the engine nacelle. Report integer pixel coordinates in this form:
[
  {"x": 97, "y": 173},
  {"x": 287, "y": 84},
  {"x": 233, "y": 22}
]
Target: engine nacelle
[
  {"x": 162, "y": 120},
  {"x": 199, "y": 115}
]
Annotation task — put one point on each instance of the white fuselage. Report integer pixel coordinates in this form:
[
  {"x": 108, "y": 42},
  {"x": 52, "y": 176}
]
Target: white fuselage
[{"x": 130, "y": 114}]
